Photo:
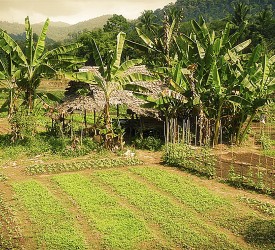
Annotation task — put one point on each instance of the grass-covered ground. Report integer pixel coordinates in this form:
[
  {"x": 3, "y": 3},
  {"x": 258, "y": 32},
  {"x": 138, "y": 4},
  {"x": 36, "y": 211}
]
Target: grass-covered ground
[{"x": 143, "y": 207}]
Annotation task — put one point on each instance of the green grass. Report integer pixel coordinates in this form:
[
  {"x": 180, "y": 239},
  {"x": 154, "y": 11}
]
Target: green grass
[
  {"x": 119, "y": 227},
  {"x": 55, "y": 228},
  {"x": 180, "y": 225}
]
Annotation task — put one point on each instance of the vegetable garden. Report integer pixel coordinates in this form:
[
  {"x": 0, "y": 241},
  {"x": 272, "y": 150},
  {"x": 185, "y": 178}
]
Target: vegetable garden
[
  {"x": 132, "y": 208},
  {"x": 76, "y": 180}
]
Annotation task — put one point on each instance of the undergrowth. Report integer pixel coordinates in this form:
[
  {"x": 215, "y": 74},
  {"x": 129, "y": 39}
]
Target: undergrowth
[{"x": 197, "y": 160}]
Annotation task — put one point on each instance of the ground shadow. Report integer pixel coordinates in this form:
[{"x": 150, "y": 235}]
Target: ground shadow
[{"x": 261, "y": 232}]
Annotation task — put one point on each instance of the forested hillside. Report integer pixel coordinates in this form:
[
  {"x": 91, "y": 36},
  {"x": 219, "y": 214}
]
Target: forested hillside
[
  {"x": 215, "y": 9},
  {"x": 257, "y": 14}
]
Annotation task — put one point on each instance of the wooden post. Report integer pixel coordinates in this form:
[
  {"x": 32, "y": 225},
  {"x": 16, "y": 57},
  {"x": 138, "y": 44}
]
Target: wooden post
[
  {"x": 196, "y": 131},
  {"x": 221, "y": 131},
  {"x": 164, "y": 132},
  {"x": 167, "y": 129},
  {"x": 183, "y": 131},
  {"x": 117, "y": 110},
  {"x": 85, "y": 118}
]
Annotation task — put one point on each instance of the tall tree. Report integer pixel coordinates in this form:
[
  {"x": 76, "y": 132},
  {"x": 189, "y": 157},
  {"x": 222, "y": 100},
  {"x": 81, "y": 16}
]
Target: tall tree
[
  {"x": 116, "y": 23},
  {"x": 240, "y": 13}
]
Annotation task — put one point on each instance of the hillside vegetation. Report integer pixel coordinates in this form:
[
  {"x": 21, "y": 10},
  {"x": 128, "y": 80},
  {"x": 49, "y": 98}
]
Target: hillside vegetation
[
  {"x": 58, "y": 31},
  {"x": 216, "y": 9}
]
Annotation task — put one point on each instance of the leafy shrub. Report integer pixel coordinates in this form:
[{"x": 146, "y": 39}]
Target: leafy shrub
[
  {"x": 198, "y": 160},
  {"x": 23, "y": 125},
  {"x": 235, "y": 179},
  {"x": 43, "y": 143},
  {"x": 251, "y": 181},
  {"x": 266, "y": 142},
  {"x": 149, "y": 143}
]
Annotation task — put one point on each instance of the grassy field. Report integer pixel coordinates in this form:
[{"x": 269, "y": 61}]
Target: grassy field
[{"x": 148, "y": 207}]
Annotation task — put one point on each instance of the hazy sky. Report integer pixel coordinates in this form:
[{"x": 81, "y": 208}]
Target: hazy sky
[{"x": 73, "y": 11}]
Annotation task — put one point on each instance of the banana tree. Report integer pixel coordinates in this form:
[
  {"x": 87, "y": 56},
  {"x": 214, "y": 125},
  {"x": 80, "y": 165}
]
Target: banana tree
[
  {"x": 35, "y": 63},
  {"x": 8, "y": 77},
  {"x": 158, "y": 42},
  {"x": 113, "y": 74},
  {"x": 216, "y": 60},
  {"x": 258, "y": 86}
]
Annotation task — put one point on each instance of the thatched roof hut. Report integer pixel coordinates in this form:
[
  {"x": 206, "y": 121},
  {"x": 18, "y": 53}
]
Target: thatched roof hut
[{"x": 95, "y": 101}]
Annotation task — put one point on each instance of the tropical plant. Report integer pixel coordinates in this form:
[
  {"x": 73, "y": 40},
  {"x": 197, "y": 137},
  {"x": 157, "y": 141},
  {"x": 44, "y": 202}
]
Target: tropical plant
[
  {"x": 147, "y": 21},
  {"x": 33, "y": 63},
  {"x": 240, "y": 13},
  {"x": 216, "y": 61},
  {"x": 158, "y": 39},
  {"x": 8, "y": 77},
  {"x": 209, "y": 72},
  {"x": 257, "y": 85},
  {"x": 112, "y": 76}
]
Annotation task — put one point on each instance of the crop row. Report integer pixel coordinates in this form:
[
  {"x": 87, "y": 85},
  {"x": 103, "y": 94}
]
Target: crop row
[
  {"x": 195, "y": 196},
  {"x": 119, "y": 227},
  {"x": 88, "y": 164},
  {"x": 219, "y": 210},
  {"x": 10, "y": 234},
  {"x": 179, "y": 224},
  {"x": 53, "y": 225},
  {"x": 264, "y": 207}
]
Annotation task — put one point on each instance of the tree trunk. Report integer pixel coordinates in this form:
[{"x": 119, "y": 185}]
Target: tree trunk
[
  {"x": 29, "y": 95},
  {"x": 240, "y": 125},
  {"x": 217, "y": 125},
  {"x": 241, "y": 139},
  {"x": 11, "y": 106},
  {"x": 107, "y": 114}
]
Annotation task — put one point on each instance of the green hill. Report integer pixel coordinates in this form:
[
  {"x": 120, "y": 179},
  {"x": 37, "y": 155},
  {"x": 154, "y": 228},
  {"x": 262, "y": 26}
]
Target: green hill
[{"x": 57, "y": 30}]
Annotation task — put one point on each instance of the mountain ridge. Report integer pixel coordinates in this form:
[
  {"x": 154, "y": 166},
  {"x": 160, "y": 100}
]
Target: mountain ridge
[{"x": 57, "y": 31}]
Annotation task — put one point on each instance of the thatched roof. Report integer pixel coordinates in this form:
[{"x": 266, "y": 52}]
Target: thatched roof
[{"x": 95, "y": 100}]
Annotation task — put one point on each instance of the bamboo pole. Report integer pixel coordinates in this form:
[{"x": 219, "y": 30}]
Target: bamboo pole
[
  {"x": 183, "y": 131},
  {"x": 196, "y": 130}
]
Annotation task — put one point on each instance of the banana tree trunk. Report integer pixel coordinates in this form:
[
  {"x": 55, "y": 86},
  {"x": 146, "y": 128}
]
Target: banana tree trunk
[
  {"x": 242, "y": 136},
  {"x": 11, "y": 105},
  {"x": 217, "y": 125},
  {"x": 241, "y": 122},
  {"x": 29, "y": 99},
  {"x": 107, "y": 113}
]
